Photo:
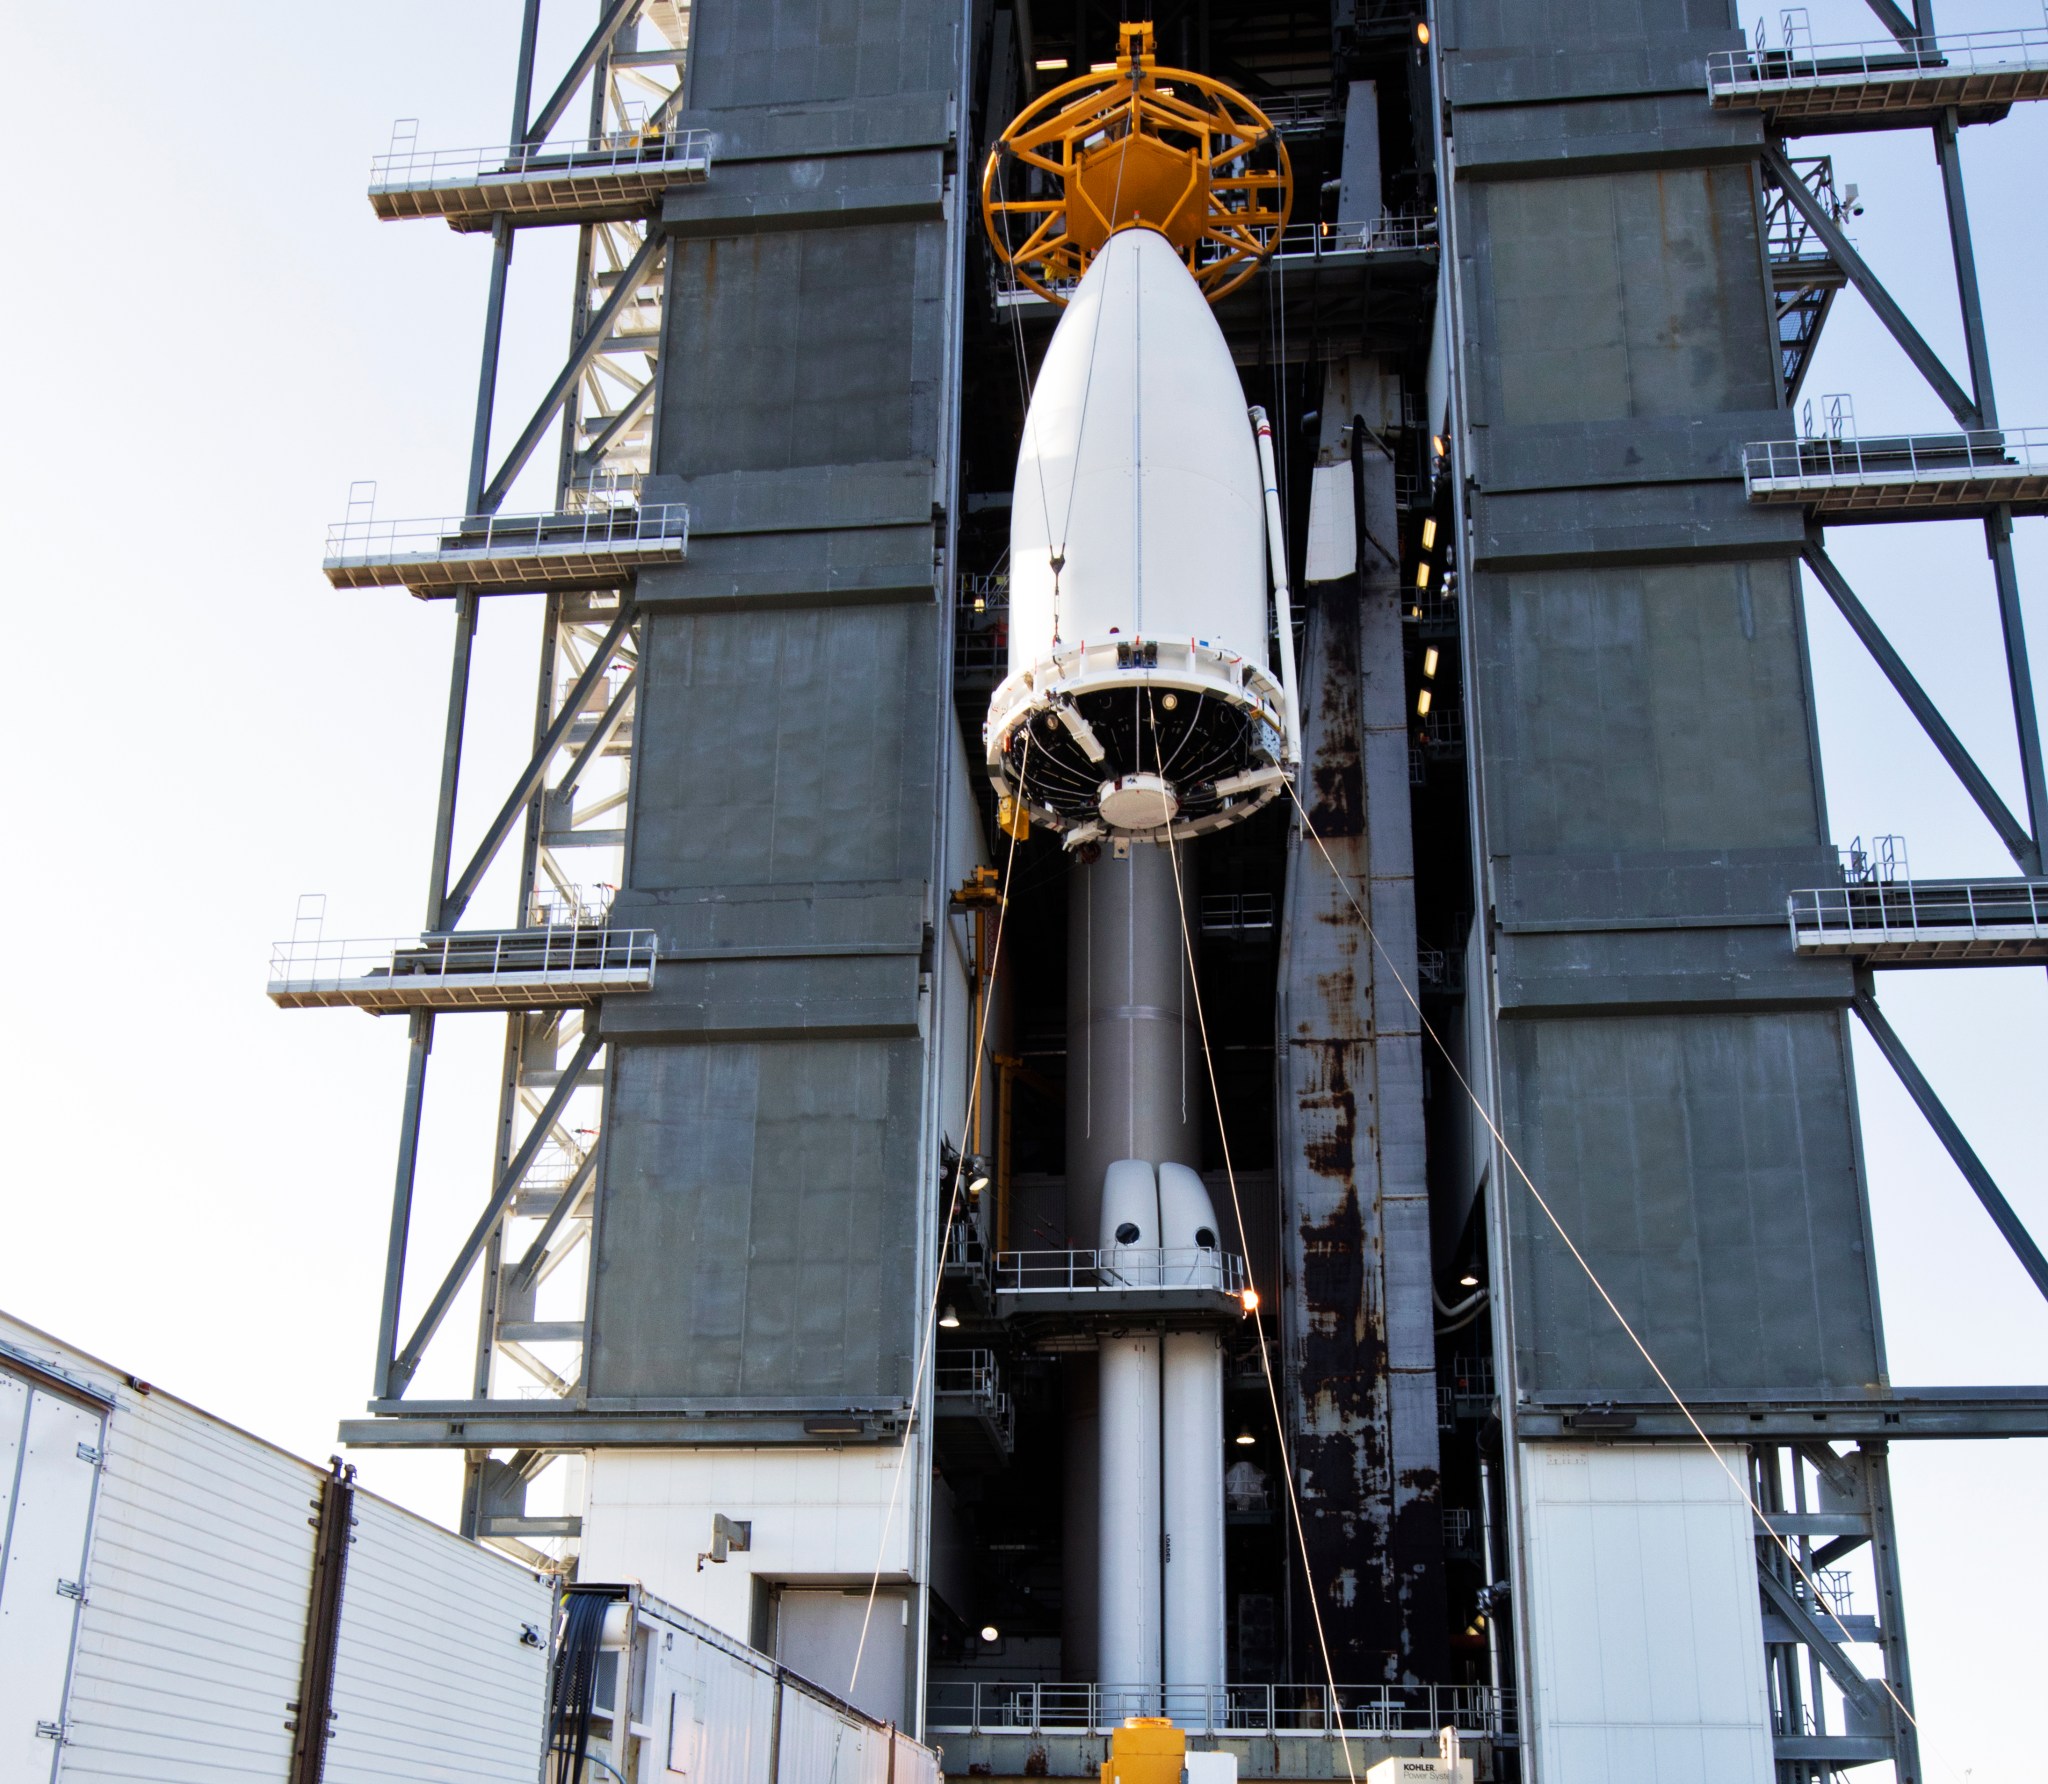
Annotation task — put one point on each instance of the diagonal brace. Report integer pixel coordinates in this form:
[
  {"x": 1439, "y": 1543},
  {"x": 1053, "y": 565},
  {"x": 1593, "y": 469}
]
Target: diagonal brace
[
  {"x": 1801, "y": 197},
  {"x": 1895, "y": 21},
  {"x": 580, "y": 356},
  {"x": 610, "y": 23},
  {"x": 528, "y": 1266},
  {"x": 536, "y": 771},
  {"x": 2010, "y": 830},
  {"x": 407, "y": 1362},
  {"x": 1951, "y": 1136},
  {"x": 1855, "y": 1687}
]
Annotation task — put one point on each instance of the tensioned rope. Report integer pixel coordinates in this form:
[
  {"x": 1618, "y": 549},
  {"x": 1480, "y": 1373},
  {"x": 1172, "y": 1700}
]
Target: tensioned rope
[
  {"x": 1244, "y": 1250},
  {"x": 1816, "y": 1599},
  {"x": 931, "y": 1314}
]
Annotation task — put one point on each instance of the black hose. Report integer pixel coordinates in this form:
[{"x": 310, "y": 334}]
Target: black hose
[{"x": 574, "y": 1693}]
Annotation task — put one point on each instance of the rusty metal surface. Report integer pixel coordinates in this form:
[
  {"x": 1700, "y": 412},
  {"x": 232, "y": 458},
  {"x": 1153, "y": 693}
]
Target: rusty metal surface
[{"x": 1357, "y": 1314}]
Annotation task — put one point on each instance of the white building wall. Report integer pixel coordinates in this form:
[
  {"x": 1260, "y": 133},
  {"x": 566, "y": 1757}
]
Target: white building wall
[
  {"x": 1646, "y": 1654},
  {"x": 819, "y": 1517}
]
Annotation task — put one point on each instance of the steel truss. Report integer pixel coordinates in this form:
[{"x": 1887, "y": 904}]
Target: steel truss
[
  {"x": 1824, "y": 1502},
  {"x": 566, "y": 808}
]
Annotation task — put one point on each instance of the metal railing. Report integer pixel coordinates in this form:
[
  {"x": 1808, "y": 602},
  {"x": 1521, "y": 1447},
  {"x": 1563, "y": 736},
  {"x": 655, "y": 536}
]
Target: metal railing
[
  {"x": 968, "y": 1372},
  {"x": 973, "y": 1706},
  {"x": 1875, "y": 913},
  {"x": 1759, "y": 73},
  {"x": 1123, "y": 1267},
  {"x": 681, "y": 152},
  {"x": 1238, "y": 914},
  {"x": 526, "y": 954},
  {"x": 1390, "y": 234},
  {"x": 981, "y": 626},
  {"x": 1958, "y": 456},
  {"x": 364, "y": 543},
  {"x": 569, "y": 907}
]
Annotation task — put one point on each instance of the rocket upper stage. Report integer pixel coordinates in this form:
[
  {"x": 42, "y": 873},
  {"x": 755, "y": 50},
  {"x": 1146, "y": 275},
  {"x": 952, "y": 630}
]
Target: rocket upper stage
[
  {"x": 1139, "y": 605},
  {"x": 1142, "y": 697}
]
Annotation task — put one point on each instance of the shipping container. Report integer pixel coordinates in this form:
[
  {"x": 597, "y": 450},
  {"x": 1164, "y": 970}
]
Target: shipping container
[
  {"x": 173, "y": 1591},
  {"x": 671, "y": 1697}
]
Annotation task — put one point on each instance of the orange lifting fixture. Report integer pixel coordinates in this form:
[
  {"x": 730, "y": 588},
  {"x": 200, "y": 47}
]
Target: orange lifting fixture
[{"x": 1138, "y": 146}]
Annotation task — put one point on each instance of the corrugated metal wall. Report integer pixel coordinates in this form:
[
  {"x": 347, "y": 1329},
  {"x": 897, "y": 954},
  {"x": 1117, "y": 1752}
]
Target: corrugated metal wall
[
  {"x": 431, "y": 1676},
  {"x": 190, "y": 1642}
]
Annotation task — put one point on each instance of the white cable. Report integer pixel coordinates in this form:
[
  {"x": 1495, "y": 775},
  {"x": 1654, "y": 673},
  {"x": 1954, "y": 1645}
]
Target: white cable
[{"x": 1818, "y": 1602}]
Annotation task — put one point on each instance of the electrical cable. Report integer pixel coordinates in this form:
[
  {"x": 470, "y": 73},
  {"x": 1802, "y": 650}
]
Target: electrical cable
[
  {"x": 573, "y": 1691},
  {"x": 1817, "y": 1602},
  {"x": 1244, "y": 1250},
  {"x": 995, "y": 954}
]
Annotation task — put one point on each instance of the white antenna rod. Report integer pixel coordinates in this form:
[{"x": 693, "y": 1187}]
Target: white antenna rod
[{"x": 1283, "y": 606}]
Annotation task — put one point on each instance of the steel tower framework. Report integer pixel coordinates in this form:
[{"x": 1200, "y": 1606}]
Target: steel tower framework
[
  {"x": 826, "y": 526},
  {"x": 1575, "y": 961}
]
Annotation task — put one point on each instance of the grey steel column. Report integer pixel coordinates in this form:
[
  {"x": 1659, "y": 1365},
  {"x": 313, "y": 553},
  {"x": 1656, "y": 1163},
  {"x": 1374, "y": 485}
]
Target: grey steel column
[
  {"x": 1997, "y": 525},
  {"x": 1135, "y": 1089}
]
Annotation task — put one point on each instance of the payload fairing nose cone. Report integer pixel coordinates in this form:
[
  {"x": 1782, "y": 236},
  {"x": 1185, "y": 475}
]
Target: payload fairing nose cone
[
  {"x": 1139, "y": 661},
  {"x": 1143, "y": 696}
]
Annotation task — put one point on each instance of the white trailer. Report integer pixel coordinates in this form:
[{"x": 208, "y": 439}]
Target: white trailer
[
  {"x": 667, "y": 1696},
  {"x": 182, "y": 1601}
]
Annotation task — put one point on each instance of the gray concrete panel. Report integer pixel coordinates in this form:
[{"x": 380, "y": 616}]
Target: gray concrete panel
[
  {"x": 1653, "y": 888},
  {"x": 1566, "y": 67},
  {"x": 761, "y": 999},
  {"x": 1617, "y": 295},
  {"x": 1512, "y": 142},
  {"x": 756, "y": 1229},
  {"x": 1645, "y": 708},
  {"x": 785, "y": 747},
  {"x": 812, "y": 192},
  {"x": 798, "y": 569},
  {"x": 800, "y": 917},
  {"x": 774, "y": 52},
  {"x": 824, "y": 127},
  {"x": 810, "y": 497},
  {"x": 1633, "y": 523},
  {"x": 1533, "y": 27},
  {"x": 1594, "y": 971},
  {"x": 1706, "y": 1167},
  {"x": 817, "y": 347},
  {"x": 1634, "y": 449}
]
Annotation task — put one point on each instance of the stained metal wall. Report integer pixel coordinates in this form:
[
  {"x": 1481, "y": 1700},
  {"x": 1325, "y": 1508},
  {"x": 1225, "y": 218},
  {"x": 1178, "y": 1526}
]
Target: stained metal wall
[
  {"x": 1648, "y": 785},
  {"x": 1359, "y": 1319},
  {"x": 768, "y": 1129}
]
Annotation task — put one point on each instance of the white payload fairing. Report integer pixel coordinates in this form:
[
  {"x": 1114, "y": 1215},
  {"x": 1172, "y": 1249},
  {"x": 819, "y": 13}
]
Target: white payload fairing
[
  {"x": 1150, "y": 698},
  {"x": 1141, "y": 687}
]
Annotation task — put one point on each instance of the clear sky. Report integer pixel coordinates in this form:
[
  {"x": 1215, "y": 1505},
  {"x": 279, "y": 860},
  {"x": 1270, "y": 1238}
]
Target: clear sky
[{"x": 197, "y": 298}]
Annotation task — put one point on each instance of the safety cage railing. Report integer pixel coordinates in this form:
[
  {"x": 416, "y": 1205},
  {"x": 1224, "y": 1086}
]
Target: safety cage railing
[
  {"x": 975, "y": 1706},
  {"x": 372, "y": 544},
  {"x": 1993, "y": 57},
  {"x": 1996, "y": 454},
  {"x": 406, "y": 167},
  {"x": 1118, "y": 1267},
  {"x": 476, "y": 965},
  {"x": 1908, "y": 910}
]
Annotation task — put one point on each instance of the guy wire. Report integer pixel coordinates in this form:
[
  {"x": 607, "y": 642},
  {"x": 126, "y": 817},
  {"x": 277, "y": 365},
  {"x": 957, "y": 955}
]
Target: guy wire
[
  {"x": 1816, "y": 1600},
  {"x": 931, "y": 1318}
]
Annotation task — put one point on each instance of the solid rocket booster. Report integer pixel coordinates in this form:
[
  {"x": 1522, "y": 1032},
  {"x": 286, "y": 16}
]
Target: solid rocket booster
[{"x": 1160, "y": 1612}]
